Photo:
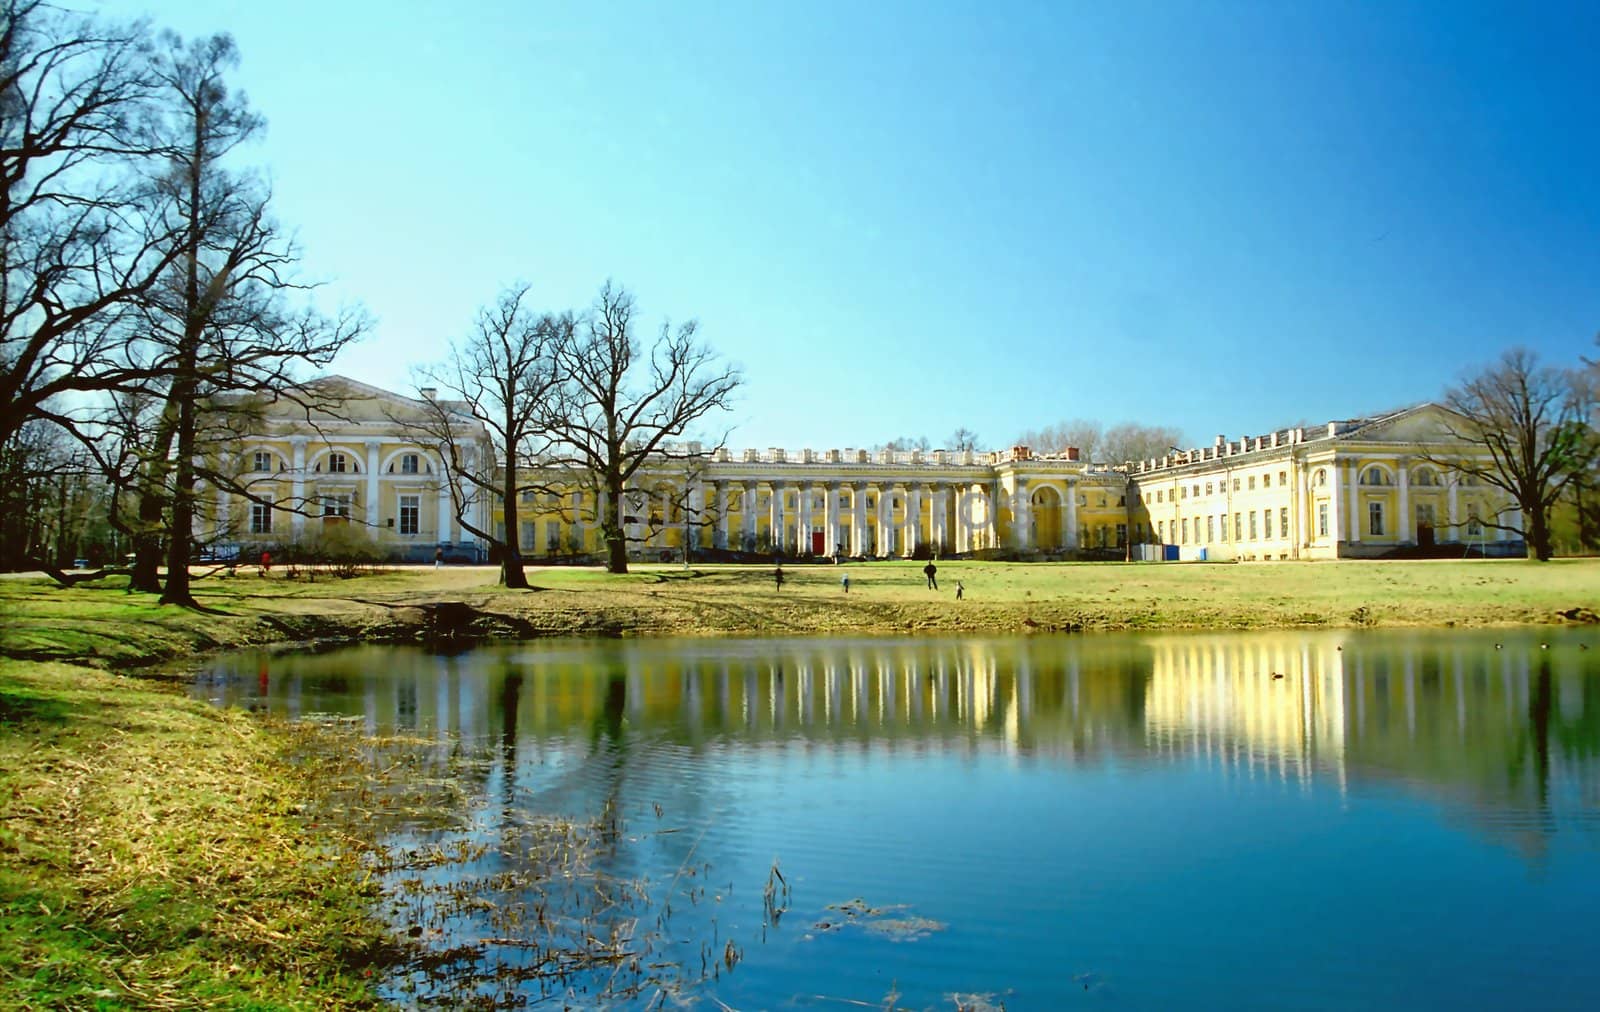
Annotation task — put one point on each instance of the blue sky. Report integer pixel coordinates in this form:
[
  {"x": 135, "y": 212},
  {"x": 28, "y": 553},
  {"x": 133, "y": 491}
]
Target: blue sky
[{"x": 904, "y": 218}]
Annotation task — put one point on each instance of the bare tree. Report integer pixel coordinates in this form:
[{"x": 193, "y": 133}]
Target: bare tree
[
  {"x": 76, "y": 250},
  {"x": 1132, "y": 441},
  {"x": 620, "y": 407},
  {"x": 963, "y": 439},
  {"x": 905, "y": 443},
  {"x": 1532, "y": 421},
  {"x": 1082, "y": 433},
  {"x": 502, "y": 375}
]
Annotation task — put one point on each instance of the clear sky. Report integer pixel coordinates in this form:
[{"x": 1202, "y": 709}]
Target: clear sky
[{"x": 904, "y": 218}]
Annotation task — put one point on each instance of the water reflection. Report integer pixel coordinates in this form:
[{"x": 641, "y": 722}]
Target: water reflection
[{"x": 1107, "y": 769}]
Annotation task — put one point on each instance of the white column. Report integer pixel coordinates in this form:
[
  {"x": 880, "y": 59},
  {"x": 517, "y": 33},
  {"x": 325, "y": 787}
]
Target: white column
[
  {"x": 1355, "y": 503},
  {"x": 577, "y": 518},
  {"x": 747, "y": 515},
  {"x": 374, "y": 517},
  {"x": 719, "y": 537},
  {"x": 804, "y": 502},
  {"x": 938, "y": 528},
  {"x": 885, "y": 517},
  {"x": 777, "y": 519},
  {"x": 1335, "y": 514},
  {"x": 1021, "y": 513},
  {"x": 1452, "y": 517},
  {"x": 1402, "y": 527},
  {"x": 1070, "y": 515},
  {"x": 830, "y": 519},
  {"x": 443, "y": 533},
  {"x": 913, "y": 518},
  {"x": 693, "y": 516},
  {"x": 297, "y": 485},
  {"x": 858, "y": 536}
]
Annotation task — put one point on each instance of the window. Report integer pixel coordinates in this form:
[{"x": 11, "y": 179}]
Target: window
[
  {"x": 1208, "y": 488},
  {"x": 1161, "y": 531},
  {"x": 1374, "y": 476},
  {"x": 261, "y": 518},
  {"x": 1211, "y": 529},
  {"x": 336, "y": 505},
  {"x": 408, "y": 464},
  {"x": 1236, "y": 484},
  {"x": 1222, "y": 522},
  {"x": 1122, "y": 535},
  {"x": 1426, "y": 477},
  {"x": 1474, "y": 525},
  {"x": 1252, "y": 525},
  {"x": 1375, "y": 518},
  {"x": 1238, "y": 527},
  {"x": 1185, "y": 531},
  {"x": 552, "y": 536},
  {"x": 1322, "y": 478},
  {"x": 1184, "y": 494},
  {"x": 1252, "y": 483},
  {"x": 1283, "y": 478},
  {"x": 1160, "y": 496},
  {"x": 1266, "y": 479},
  {"x": 1197, "y": 490},
  {"x": 1266, "y": 524},
  {"x": 1283, "y": 522},
  {"x": 336, "y": 463},
  {"x": 410, "y": 514},
  {"x": 1322, "y": 519},
  {"x": 263, "y": 461},
  {"x": 1424, "y": 515}
]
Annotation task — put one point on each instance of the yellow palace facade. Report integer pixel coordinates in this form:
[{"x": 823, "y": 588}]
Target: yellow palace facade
[{"x": 1355, "y": 488}]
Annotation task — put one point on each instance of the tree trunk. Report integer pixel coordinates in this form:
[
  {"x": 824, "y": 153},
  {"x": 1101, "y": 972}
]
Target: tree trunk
[
  {"x": 512, "y": 575},
  {"x": 181, "y": 534},
  {"x": 1538, "y": 532},
  {"x": 615, "y": 530}
]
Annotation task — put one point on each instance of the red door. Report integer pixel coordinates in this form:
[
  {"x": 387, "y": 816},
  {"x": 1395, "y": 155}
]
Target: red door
[{"x": 816, "y": 542}]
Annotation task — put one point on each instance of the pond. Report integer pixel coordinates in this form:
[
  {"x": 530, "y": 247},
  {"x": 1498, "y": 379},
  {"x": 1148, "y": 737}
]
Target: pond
[{"x": 1308, "y": 820}]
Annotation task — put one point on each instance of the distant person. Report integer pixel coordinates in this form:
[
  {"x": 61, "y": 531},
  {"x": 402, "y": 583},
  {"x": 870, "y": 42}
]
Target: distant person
[
  {"x": 777, "y": 576},
  {"x": 959, "y": 588},
  {"x": 931, "y": 571},
  {"x": 266, "y": 562},
  {"x": 844, "y": 581},
  {"x": 438, "y": 557}
]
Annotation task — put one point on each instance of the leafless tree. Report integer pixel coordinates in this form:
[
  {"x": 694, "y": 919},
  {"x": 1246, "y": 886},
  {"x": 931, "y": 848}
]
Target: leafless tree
[
  {"x": 503, "y": 375},
  {"x": 1082, "y": 433},
  {"x": 963, "y": 439},
  {"x": 619, "y": 407},
  {"x": 1533, "y": 423},
  {"x": 76, "y": 249},
  {"x": 1132, "y": 441},
  {"x": 901, "y": 444}
]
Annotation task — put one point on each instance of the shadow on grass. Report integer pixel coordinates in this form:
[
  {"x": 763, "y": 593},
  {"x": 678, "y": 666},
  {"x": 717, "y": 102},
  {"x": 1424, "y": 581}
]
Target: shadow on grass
[{"x": 17, "y": 710}]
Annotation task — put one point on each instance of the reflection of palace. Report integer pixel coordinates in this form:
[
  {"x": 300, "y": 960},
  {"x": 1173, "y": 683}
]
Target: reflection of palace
[
  {"x": 1445, "y": 712},
  {"x": 1348, "y": 488}
]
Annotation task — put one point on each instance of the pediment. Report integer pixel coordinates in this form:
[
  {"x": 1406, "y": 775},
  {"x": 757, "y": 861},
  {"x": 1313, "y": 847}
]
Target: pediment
[{"x": 1425, "y": 423}]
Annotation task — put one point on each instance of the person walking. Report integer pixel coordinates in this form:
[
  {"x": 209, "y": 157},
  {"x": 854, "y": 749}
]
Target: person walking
[
  {"x": 844, "y": 581},
  {"x": 930, "y": 571},
  {"x": 438, "y": 557},
  {"x": 958, "y": 590},
  {"x": 777, "y": 576}
]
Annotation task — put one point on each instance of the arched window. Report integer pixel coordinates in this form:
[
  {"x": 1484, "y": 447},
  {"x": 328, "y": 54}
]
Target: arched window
[
  {"x": 1426, "y": 476},
  {"x": 1374, "y": 476}
]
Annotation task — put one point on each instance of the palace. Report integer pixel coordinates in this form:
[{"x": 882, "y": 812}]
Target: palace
[{"x": 1358, "y": 488}]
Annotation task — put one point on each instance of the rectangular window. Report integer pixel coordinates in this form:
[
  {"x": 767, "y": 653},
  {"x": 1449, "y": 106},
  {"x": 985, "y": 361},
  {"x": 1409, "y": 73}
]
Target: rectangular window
[
  {"x": 1161, "y": 531},
  {"x": 1266, "y": 524},
  {"x": 1122, "y": 535},
  {"x": 1238, "y": 527},
  {"x": 1322, "y": 519},
  {"x": 1375, "y": 518},
  {"x": 1266, "y": 480},
  {"x": 1222, "y": 522},
  {"x": 1161, "y": 496},
  {"x": 408, "y": 464},
  {"x": 1252, "y": 483},
  {"x": 1283, "y": 478},
  {"x": 1283, "y": 522},
  {"x": 336, "y": 463},
  {"x": 1252, "y": 525},
  {"x": 261, "y": 518},
  {"x": 410, "y": 514},
  {"x": 1211, "y": 529},
  {"x": 1236, "y": 484},
  {"x": 1208, "y": 488},
  {"x": 552, "y": 536},
  {"x": 263, "y": 461},
  {"x": 1197, "y": 490},
  {"x": 1184, "y": 492},
  {"x": 1185, "y": 531},
  {"x": 1474, "y": 525},
  {"x": 336, "y": 505}
]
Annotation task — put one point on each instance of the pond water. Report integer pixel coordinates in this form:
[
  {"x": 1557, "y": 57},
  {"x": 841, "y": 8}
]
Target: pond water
[{"x": 1306, "y": 820}]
